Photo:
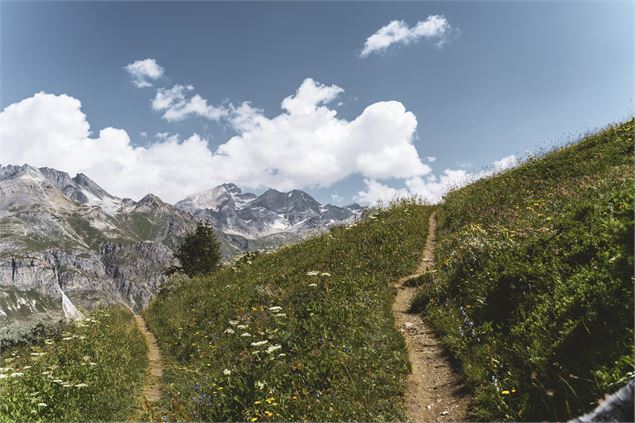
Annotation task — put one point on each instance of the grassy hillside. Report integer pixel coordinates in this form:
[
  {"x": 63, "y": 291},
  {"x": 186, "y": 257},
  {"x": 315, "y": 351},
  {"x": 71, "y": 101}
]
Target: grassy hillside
[
  {"x": 305, "y": 333},
  {"x": 91, "y": 370},
  {"x": 533, "y": 289}
]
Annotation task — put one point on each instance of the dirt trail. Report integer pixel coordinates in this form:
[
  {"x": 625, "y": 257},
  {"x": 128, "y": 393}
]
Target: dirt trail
[
  {"x": 152, "y": 389},
  {"x": 433, "y": 392}
]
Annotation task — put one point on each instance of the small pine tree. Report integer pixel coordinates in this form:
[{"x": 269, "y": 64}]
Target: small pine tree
[{"x": 199, "y": 252}]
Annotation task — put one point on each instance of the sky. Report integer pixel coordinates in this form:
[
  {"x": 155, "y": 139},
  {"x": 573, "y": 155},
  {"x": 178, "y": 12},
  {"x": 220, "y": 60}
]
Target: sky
[{"x": 349, "y": 101}]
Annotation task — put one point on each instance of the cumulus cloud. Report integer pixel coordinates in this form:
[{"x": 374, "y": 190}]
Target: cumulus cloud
[
  {"x": 435, "y": 28},
  {"x": 143, "y": 71},
  {"x": 432, "y": 188},
  {"x": 306, "y": 145},
  {"x": 176, "y": 104}
]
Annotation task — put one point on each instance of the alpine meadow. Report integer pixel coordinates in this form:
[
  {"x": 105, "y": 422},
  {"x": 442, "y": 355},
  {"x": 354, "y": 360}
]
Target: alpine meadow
[{"x": 312, "y": 211}]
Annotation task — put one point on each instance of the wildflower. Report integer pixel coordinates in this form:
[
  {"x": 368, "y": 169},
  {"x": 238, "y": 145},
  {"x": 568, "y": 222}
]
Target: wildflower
[
  {"x": 40, "y": 354},
  {"x": 505, "y": 392},
  {"x": 227, "y": 372},
  {"x": 67, "y": 385},
  {"x": 16, "y": 374},
  {"x": 67, "y": 338},
  {"x": 85, "y": 358},
  {"x": 58, "y": 381},
  {"x": 26, "y": 367},
  {"x": 268, "y": 413},
  {"x": 81, "y": 385},
  {"x": 282, "y": 355},
  {"x": 313, "y": 285},
  {"x": 273, "y": 348},
  {"x": 46, "y": 373},
  {"x": 245, "y": 335},
  {"x": 229, "y": 331},
  {"x": 260, "y": 385},
  {"x": 313, "y": 273},
  {"x": 259, "y": 343},
  {"x": 253, "y": 419},
  {"x": 280, "y": 315},
  {"x": 3, "y": 376},
  {"x": 241, "y": 327},
  {"x": 325, "y": 274},
  {"x": 92, "y": 364},
  {"x": 233, "y": 322},
  {"x": 257, "y": 402},
  {"x": 41, "y": 405},
  {"x": 275, "y": 308}
]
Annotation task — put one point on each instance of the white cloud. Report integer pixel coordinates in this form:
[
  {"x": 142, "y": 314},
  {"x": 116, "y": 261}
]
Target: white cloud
[
  {"x": 336, "y": 199},
  {"x": 435, "y": 27},
  {"x": 431, "y": 188},
  {"x": 431, "y": 159},
  {"x": 176, "y": 105},
  {"x": 306, "y": 145},
  {"x": 142, "y": 71}
]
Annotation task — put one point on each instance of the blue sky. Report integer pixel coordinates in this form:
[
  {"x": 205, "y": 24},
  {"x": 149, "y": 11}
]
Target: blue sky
[{"x": 510, "y": 77}]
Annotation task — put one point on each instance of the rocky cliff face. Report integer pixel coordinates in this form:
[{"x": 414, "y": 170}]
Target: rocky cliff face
[{"x": 67, "y": 237}]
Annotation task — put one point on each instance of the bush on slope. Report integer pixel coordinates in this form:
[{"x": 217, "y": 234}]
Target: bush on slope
[
  {"x": 305, "y": 333},
  {"x": 533, "y": 289}
]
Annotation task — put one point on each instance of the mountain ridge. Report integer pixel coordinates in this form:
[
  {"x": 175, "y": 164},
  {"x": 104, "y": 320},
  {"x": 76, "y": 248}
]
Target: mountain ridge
[{"x": 63, "y": 235}]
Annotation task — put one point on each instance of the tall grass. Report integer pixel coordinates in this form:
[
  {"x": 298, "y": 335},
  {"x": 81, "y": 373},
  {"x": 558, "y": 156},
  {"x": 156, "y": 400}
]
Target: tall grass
[
  {"x": 93, "y": 370},
  {"x": 305, "y": 333},
  {"x": 533, "y": 289}
]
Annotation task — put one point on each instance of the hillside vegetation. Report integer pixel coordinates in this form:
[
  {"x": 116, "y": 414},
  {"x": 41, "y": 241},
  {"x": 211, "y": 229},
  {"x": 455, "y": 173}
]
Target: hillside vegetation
[
  {"x": 90, "y": 370},
  {"x": 533, "y": 287},
  {"x": 305, "y": 333}
]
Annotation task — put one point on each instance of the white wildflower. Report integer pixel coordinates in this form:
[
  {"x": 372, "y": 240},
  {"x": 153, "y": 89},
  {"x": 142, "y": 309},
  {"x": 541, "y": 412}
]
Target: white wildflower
[
  {"x": 274, "y": 348},
  {"x": 81, "y": 385},
  {"x": 241, "y": 327},
  {"x": 313, "y": 273},
  {"x": 275, "y": 308},
  {"x": 233, "y": 322},
  {"x": 260, "y": 385},
  {"x": 245, "y": 335},
  {"x": 26, "y": 367},
  {"x": 313, "y": 285},
  {"x": 325, "y": 274},
  {"x": 259, "y": 343},
  {"x": 282, "y": 355},
  {"x": 229, "y": 331},
  {"x": 92, "y": 364},
  {"x": 227, "y": 372},
  {"x": 280, "y": 315},
  {"x": 41, "y": 404},
  {"x": 16, "y": 374},
  {"x": 3, "y": 376}
]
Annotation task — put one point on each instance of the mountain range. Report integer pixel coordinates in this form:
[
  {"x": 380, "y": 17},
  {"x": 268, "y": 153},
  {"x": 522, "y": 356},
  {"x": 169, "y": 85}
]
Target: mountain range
[{"x": 66, "y": 237}]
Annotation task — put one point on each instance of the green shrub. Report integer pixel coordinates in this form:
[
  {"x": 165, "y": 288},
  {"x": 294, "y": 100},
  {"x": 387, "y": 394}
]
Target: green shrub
[{"x": 199, "y": 252}]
